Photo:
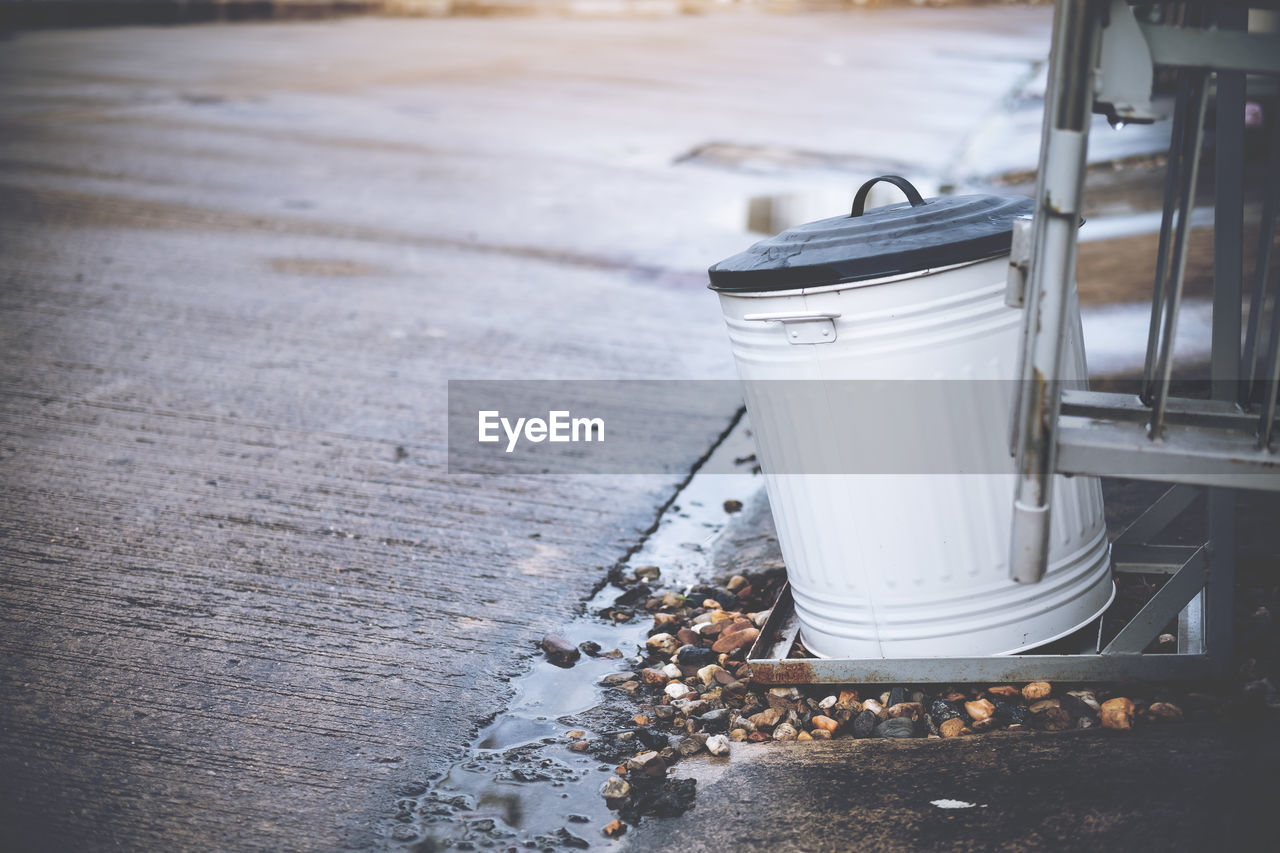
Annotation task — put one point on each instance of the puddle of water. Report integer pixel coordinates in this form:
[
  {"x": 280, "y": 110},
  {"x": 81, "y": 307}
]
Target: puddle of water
[{"x": 521, "y": 786}]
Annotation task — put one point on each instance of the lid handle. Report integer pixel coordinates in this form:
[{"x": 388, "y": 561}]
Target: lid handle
[{"x": 860, "y": 200}]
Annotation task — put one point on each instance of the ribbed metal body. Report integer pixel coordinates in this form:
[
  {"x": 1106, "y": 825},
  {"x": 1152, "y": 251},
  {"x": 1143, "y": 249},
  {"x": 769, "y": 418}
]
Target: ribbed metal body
[{"x": 915, "y": 564}]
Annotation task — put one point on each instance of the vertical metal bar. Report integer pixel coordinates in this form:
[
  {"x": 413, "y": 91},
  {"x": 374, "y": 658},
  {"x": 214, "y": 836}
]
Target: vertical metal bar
[
  {"x": 1198, "y": 100},
  {"x": 1176, "y": 162},
  {"x": 1228, "y": 227},
  {"x": 1271, "y": 381},
  {"x": 1031, "y": 297},
  {"x": 1191, "y": 627},
  {"x": 1220, "y": 584},
  {"x": 1261, "y": 272},
  {"x": 1058, "y": 188},
  {"x": 1228, "y": 272}
]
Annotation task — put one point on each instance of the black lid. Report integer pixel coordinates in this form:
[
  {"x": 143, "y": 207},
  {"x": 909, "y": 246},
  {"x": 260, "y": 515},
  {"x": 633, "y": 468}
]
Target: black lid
[{"x": 915, "y": 235}]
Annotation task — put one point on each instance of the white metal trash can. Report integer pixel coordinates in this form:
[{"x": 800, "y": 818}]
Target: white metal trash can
[{"x": 915, "y": 563}]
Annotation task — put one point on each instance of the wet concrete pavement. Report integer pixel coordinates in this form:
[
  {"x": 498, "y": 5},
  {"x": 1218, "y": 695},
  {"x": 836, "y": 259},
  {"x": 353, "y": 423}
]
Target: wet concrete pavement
[
  {"x": 1190, "y": 787},
  {"x": 242, "y": 602}
]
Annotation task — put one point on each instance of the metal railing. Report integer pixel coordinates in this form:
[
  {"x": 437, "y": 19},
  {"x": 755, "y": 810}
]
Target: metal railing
[{"x": 1225, "y": 442}]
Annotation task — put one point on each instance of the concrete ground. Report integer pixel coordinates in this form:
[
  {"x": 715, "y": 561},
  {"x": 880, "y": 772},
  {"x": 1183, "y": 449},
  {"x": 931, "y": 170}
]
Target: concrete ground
[
  {"x": 242, "y": 601},
  {"x": 1191, "y": 787}
]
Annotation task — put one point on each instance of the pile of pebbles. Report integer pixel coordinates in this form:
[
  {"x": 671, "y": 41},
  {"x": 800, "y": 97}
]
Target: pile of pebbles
[{"x": 693, "y": 693}]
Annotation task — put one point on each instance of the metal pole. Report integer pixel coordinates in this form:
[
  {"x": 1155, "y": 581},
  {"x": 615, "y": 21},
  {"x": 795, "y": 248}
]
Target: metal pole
[
  {"x": 1058, "y": 188},
  {"x": 1228, "y": 274},
  {"x": 1177, "y": 267},
  {"x": 1261, "y": 272},
  {"x": 1173, "y": 169}
]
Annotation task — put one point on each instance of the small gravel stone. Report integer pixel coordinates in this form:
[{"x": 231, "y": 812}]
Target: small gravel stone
[
  {"x": 698, "y": 656},
  {"x": 785, "y": 731},
  {"x": 672, "y": 671},
  {"x": 768, "y": 718},
  {"x": 615, "y": 788},
  {"x": 1163, "y": 712},
  {"x": 718, "y": 745},
  {"x": 649, "y": 675},
  {"x": 560, "y": 651},
  {"x": 692, "y": 705},
  {"x": 731, "y": 642},
  {"x": 665, "y": 620},
  {"x": 732, "y": 505},
  {"x": 677, "y": 690},
  {"x": 663, "y": 643},
  {"x": 1117, "y": 714},
  {"x": 897, "y": 696},
  {"x": 692, "y": 744},
  {"x": 736, "y": 583},
  {"x": 820, "y": 734},
  {"x": 614, "y": 828},
  {"x": 913, "y": 711},
  {"x": 874, "y": 707},
  {"x": 687, "y": 637},
  {"x": 942, "y": 711},
  {"x": 716, "y": 720},
  {"x": 864, "y": 725},
  {"x": 738, "y": 734},
  {"x": 824, "y": 723},
  {"x": 1003, "y": 711},
  {"x": 1054, "y": 719},
  {"x": 648, "y": 573},
  {"x": 979, "y": 710},
  {"x": 1044, "y": 705},
  {"x": 1036, "y": 690},
  {"x": 951, "y": 727},
  {"x": 1080, "y": 703},
  {"x": 648, "y": 761},
  {"x": 1005, "y": 691},
  {"x": 707, "y": 674},
  {"x": 896, "y": 727},
  {"x": 616, "y": 678},
  {"x": 827, "y": 703}
]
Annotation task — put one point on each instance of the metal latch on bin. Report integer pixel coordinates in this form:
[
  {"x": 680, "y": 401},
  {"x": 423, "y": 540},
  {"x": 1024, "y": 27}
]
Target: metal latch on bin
[
  {"x": 816, "y": 327},
  {"x": 1015, "y": 290}
]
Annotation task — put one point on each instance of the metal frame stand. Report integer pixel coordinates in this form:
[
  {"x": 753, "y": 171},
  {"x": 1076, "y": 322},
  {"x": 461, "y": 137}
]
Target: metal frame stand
[
  {"x": 1102, "y": 60},
  {"x": 1186, "y": 596}
]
